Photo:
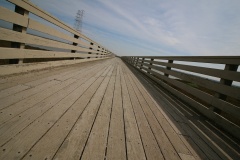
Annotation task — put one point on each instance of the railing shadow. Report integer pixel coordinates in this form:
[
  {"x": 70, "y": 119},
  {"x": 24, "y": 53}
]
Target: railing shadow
[{"x": 205, "y": 138}]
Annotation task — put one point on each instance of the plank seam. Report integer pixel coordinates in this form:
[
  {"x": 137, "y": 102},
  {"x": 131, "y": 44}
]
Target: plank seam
[
  {"x": 105, "y": 156},
  {"x": 135, "y": 117},
  {"x": 94, "y": 117},
  {"x": 145, "y": 116},
  {"x": 125, "y": 133},
  {"x": 53, "y": 124}
]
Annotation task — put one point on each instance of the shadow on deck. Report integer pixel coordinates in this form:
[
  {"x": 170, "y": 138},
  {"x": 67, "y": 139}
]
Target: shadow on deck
[
  {"x": 204, "y": 139},
  {"x": 99, "y": 110}
]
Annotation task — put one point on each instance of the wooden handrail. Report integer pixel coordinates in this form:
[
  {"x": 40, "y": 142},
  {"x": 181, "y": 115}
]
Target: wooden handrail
[
  {"x": 45, "y": 43},
  {"x": 217, "y": 98},
  {"x": 203, "y": 59}
]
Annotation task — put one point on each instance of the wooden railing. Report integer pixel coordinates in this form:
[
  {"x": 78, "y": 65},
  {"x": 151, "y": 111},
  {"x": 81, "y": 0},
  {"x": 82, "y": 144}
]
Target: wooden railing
[
  {"x": 212, "y": 91},
  {"x": 32, "y": 40}
]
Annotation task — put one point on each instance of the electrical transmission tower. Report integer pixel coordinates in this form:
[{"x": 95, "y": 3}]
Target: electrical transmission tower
[{"x": 78, "y": 20}]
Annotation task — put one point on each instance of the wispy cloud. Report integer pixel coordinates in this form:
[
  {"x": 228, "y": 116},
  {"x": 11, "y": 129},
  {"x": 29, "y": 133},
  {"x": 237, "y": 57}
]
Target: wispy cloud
[{"x": 156, "y": 27}]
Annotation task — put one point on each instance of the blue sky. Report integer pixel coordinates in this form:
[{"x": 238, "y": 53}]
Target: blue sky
[{"x": 156, "y": 27}]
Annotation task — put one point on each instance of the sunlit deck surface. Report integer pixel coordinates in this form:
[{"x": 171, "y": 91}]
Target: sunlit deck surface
[{"x": 101, "y": 110}]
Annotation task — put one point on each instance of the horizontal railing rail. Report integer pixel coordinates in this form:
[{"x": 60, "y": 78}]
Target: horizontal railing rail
[
  {"x": 42, "y": 39},
  {"x": 209, "y": 84}
]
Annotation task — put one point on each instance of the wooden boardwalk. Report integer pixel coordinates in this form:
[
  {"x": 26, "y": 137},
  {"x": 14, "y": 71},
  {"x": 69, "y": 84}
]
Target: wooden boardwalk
[{"x": 97, "y": 110}]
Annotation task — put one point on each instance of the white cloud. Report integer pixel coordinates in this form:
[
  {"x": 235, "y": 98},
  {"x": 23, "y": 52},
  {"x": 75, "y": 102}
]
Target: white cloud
[{"x": 154, "y": 27}]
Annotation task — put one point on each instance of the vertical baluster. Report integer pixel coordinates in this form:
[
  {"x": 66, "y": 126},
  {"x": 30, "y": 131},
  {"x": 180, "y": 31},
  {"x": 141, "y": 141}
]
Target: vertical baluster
[
  {"x": 74, "y": 44},
  {"x": 91, "y": 47},
  {"x": 142, "y": 62},
  {"x": 137, "y": 59},
  {"x": 19, "y": 28},
  {"x": 227, "y": 82},
  {"x": 150, "y": 65},
  {"x": 168, "y": 68}
]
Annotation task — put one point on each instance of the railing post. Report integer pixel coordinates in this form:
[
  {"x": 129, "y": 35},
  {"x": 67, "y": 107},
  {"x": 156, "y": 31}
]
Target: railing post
[
  {"x": 74, "y": 44},
  {"x": 98, "y": 50},
  {"x": 168, "y": 68},
  {"x": 133, "y": 61},
  {"x": 150, "y": 65},
  {"x": 142, "y": 62},
  {"x": 102, "y": 51},
  {"x": 136, "y": 63},
  {"x": 91, "y": 47},
  {"x": 227, "y": 82},
  {"x": 19, "y": 28}
]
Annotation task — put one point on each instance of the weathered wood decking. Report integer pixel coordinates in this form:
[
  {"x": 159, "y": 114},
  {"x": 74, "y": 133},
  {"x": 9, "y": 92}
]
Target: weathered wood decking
[{"x": 100, "y": 110}]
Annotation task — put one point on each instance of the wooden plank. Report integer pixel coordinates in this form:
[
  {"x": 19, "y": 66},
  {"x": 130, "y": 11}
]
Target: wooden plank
[
  {"x": 25, "y": 140},
  {"x": 204, "y": 59},
  {"x": 5, "y": 102},
  {"x": 72, "y": 74},
  {"x": 197, "y": 118},
  {"x": 193, "y": 147},
  {"x": 13, "y": 17},
  {"x": 220, "y": 147},
  {"x": 166, "y": 129},
  {"x": 151, "y": 147},
  {"x": 97, "y": 141},
  {"x": 35, "y": 25},
  {"x": 223, "y": 155},
  {"x": 15, "y": 118},
  {"x": 134, "y": 144},
  {"x": 37, "y": 11},
  {"x": 212, "y": 100},
  {"x": 95, "y": 48},
  {"x": 196, "y": 156},
  {"x": 165, "y": 145},
  {"x": 13, "y": 53},
  {"x": 13, "y": 110},
  {"x": 234, "y": 143},
  {"x": 185, "y": 138},
  {"x": 166, "y": 107},
  {"x": 38, "y": 100},
  {"x": 9, "y": 35},
  {"x": 12, "y": 90},
  {"x": 211, "y": 154},
  {"x": 230, "y": 75},
  {"x": 177, "y": 143},
  {"x": 85, "y": 109},
  {"x": 75, "y": 142},
  {"x": 61, "y": 77},
  {"x": 21, "y": 68},
  {"x": 186, "y": 157},
  {"x": 58, "y": 77},
  {"x": 27, "y": 78},
  {"x": 217, "y": 118},
  {"x": 116, "y": 147},
  {"x": 164, "y": 102},
  {"x": 215, "y": 86},
  {"x": 13, "y": 80},
  {"x": 45, "y": 78}
]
